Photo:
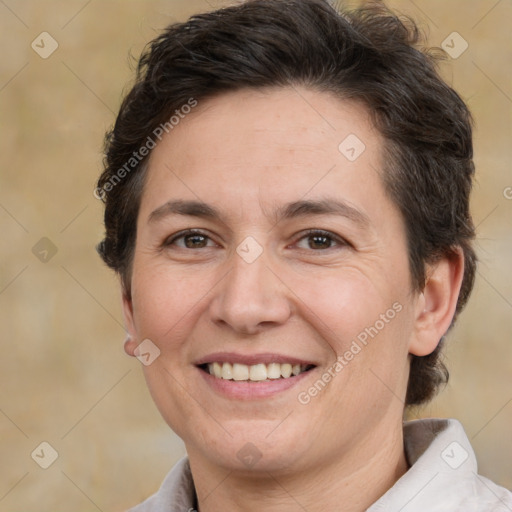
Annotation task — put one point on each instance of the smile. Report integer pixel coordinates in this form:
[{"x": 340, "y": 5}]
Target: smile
[{"x": 255, "y": 372}]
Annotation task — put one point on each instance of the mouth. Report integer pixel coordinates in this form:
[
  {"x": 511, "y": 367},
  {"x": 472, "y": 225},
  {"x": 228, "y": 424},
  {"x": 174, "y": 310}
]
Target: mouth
[{"x": 259, "y": 372}]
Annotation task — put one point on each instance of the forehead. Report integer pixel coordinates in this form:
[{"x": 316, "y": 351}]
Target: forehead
[{"x": 254, "y": 149}]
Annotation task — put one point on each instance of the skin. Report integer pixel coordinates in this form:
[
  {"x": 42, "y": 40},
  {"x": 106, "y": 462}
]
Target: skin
[{"x": 247, "y": 154}]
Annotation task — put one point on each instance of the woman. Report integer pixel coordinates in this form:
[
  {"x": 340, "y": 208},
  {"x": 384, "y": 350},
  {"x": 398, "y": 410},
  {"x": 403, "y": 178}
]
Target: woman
[{"x": 287, "y": 205}]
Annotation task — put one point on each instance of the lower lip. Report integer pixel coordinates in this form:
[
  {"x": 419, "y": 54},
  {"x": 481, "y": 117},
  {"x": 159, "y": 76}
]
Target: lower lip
[{"x": 247, "y": 390}]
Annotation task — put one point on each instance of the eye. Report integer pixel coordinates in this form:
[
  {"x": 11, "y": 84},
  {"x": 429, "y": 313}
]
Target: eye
[
  {"x": 190, "y": 239},
  {"x": 317, "y": 239}
]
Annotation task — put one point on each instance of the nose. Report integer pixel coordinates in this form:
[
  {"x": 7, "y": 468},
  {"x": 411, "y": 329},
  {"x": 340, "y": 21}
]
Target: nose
[{"x": 251, "y": 297}]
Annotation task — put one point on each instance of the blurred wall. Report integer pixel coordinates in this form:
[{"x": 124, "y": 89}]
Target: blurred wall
[{"x": 64, "y": 377}]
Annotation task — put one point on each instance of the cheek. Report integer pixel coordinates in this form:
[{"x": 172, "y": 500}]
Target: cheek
[
  {"x": 165, "y": 310},
  {"x": 165, "y": 301},
  {"x": 346, "y": 302},
  {"x": 366, "y": 322}
]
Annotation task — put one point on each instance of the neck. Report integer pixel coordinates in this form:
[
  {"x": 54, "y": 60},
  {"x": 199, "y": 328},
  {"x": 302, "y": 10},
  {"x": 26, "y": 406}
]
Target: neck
[{"x": 351, "y": 483}]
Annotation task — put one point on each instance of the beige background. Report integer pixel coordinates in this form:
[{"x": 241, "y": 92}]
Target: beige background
[{"x": 64, "y": 377}]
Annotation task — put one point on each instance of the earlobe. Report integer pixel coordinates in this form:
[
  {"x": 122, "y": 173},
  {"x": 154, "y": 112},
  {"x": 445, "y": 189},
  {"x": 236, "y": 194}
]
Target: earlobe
[
  {"x": 437, "y": 302},
  {"x": 130, "y": 343}
]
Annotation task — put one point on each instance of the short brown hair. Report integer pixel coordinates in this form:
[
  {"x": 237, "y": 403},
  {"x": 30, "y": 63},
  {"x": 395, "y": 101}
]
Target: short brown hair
[{"x": 368, "y": 55}]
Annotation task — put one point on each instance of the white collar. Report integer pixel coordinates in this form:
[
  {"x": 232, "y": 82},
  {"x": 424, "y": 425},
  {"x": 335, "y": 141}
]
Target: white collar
[{"x": 442, "y": 477}]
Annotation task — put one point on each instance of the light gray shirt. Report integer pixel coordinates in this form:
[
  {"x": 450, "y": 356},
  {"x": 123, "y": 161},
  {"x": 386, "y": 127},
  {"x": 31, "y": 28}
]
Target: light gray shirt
[{"x": 442, "y": 477}]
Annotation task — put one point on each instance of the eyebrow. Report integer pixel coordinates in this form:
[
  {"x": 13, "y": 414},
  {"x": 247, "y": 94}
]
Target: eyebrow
[
  {"x": 326, "y": 206},
  {"x": 180, "y": 207},
  {"x": 295, "y": 209}
]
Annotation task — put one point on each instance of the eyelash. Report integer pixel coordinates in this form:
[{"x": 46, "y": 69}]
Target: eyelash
[
  {"x": 340, "y": 242},
  {"x": 182, "y": 234},
  {"x": 334, "y": 239}
]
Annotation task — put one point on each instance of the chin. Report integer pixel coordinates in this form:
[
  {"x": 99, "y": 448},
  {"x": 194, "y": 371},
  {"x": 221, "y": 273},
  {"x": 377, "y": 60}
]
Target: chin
[
  {"x": 254, "y": 460},
  {"x": 253, "y": 448}
]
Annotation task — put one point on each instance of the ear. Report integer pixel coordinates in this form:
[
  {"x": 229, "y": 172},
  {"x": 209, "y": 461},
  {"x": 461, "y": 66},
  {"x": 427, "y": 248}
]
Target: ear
[
  {"x": 131, "y": 342},
  {"x": 437, "y": 302}
]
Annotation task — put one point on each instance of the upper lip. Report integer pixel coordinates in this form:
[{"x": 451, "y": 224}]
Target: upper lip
[{"x": 251, "y": 359}]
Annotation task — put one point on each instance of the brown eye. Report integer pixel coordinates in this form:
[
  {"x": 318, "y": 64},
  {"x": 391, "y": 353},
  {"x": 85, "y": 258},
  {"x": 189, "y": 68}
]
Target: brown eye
[
  {"x": 189, "y": 240},
  {"x": 318, "y": 240},
  {"x": 195, "y": 241}
]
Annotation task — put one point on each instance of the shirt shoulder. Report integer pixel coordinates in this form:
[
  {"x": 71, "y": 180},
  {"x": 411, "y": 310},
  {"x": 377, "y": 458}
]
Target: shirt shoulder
[
  {"x": 176, "y": 493},
  {"x": 443, "y": 474}
]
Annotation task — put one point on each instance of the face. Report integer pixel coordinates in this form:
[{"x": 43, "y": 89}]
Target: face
[{"x": 264, "y": 248}]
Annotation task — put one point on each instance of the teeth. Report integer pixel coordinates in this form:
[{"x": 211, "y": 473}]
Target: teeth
[
  {"x": 227, "y": 371},
  {"x": 240, "y": 371},
  {"x": 256, "y": 372},
  {"x": 217, "y": 370},
  {"x": 273, "y": 371},
  {"x": 286, "y": 370}
]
